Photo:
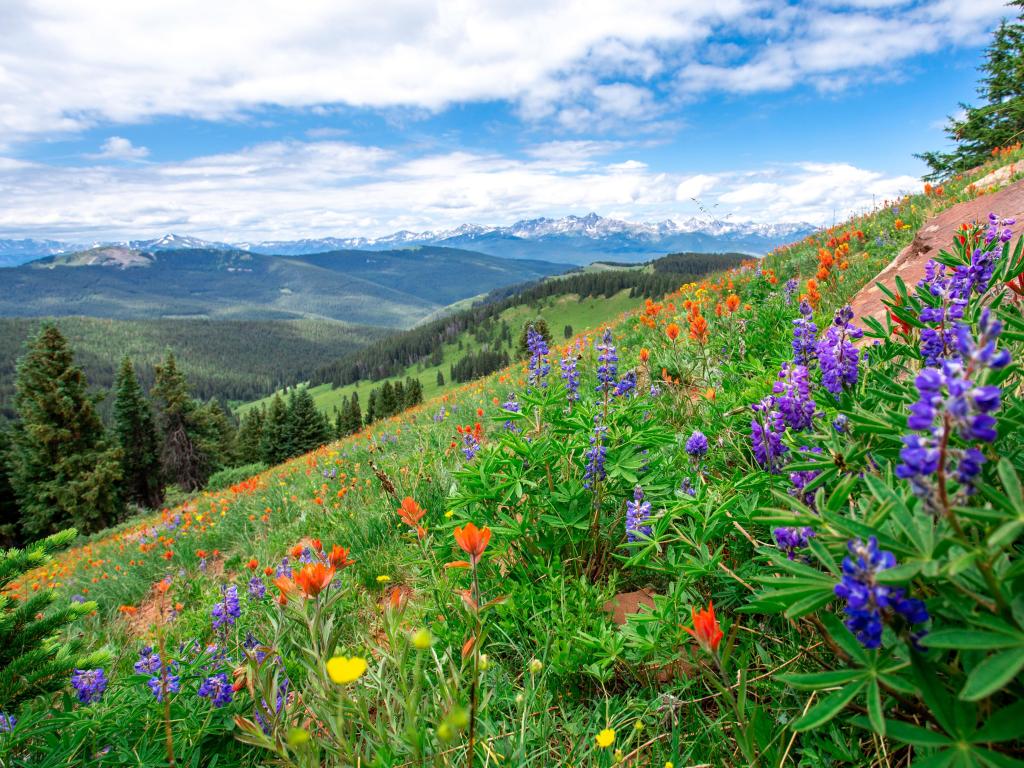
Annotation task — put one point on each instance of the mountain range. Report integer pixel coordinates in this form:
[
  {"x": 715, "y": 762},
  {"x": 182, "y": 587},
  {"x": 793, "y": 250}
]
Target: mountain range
[{"x": 571, "y": 239}]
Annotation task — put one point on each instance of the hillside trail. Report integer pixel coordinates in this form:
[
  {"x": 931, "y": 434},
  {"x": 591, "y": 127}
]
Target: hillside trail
[{"x": 936, "y": 234}]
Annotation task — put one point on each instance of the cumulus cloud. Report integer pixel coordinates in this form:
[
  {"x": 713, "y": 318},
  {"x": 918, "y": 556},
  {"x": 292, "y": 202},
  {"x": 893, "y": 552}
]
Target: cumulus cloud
[
  {"x": 279, "y": 190},
  {"x": 120, "y": 148},
  {"x": 584, "y": 64}
]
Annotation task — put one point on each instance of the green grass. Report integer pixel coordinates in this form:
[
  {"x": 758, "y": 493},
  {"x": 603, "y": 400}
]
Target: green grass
[{"x": 558, "y": 311}]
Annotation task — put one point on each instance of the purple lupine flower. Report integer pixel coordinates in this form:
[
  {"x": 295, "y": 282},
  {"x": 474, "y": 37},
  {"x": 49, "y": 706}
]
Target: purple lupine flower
[
  {"x": 697, "y": 444},
  {"x": 836, "y": 354},
  {"x": 789, "y": 289},
  {"x": 250, "y": 643},
  {"x": 638, "y": 512},
  {"x": 77, "y": 598},
  {"x": 217, "y": 689},
  {"x": 511, "y": 404},
  {"x": 793, "y": 397},
  {"x": 805, "y": 336},
  {"x": 538, "y": 367},
  {"x": 470, "y": 445},
  {"x": 766, "y": 430},
  {"x": 166, "y": 682},
  {"x": 981, "y": 353},
  {"x": 937, "y": 340},
  {"x": 686, "y": 486},
  {"x": 869, "y": 605},
  {"x": 800, "y": 480},
  {"x": 148, "y": 663},
  {"x": 789, "y": 540},
  {"x": 90, "y": 684},
  {"x": 608, "y": 363},
  {"x": 571, "y": 377},
  {"x": 841, "y": 424},
  {"x": 626, "y": 385},
  {"x": 257, "y": 589},
  {"x": 1000, "y": 228},
  {"x": 7, "y": 722},
  {"x": 596, "y": 456},
  {"x": 283, "y": 569},
  {"x": 227, "y": 610}
]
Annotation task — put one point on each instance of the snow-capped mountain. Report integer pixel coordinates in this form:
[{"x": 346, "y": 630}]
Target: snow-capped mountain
[
  {"x": 570, "y": 239},
  {"x": 574, "y": 239}
]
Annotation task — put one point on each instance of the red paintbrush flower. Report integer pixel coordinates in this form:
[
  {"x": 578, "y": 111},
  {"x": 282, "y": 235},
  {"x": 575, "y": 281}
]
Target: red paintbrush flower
[{"x": 705, "y": 628}]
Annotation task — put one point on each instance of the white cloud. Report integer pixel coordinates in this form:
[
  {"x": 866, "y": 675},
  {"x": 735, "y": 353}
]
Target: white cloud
[
  {"x": 120, "y": 148},
  {"x": 586, "y": 64},
  {"x": 279, "y": 190}
]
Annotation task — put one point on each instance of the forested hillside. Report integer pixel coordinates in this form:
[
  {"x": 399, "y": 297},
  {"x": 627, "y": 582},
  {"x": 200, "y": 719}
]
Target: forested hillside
[{"x": 223, "y": 359}]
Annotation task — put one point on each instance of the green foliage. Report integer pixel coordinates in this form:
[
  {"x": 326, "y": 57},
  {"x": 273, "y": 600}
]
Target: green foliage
[
  {"x": 306, "y": 428},
  {"x": 999, "y": 120},
  {"x": 33, "y": 658},
  {"x": 63, "y": 470},
  {"x": 142, "y": 481},
  {"x": 274, "y": 445},
  {"x": 225, "y": 478},
  {"x": 183, "y": 427}
]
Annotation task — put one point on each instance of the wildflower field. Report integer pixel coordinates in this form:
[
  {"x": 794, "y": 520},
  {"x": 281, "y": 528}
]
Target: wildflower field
[{"x": 819, "y": 515}]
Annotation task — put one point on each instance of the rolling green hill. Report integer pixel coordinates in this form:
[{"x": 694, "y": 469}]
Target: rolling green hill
[{"x": 388, "y": 288}]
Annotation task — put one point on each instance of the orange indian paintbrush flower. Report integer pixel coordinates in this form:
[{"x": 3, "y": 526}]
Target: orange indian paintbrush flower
[
  {"x": 672, "y": 331},
  {"x": 473, "y": 541},
  {"x": 339, "y": 557},
  {"x": 314, "y": 578},
  {"x": 411, "y": 513},
  {"x": 705, "y": 628}
]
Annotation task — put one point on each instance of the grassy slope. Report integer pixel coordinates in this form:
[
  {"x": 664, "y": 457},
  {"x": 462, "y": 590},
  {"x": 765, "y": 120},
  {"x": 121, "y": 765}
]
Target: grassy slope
[
  {"x": 558, "y": 311},
  {"x": 263, "y": 518}
]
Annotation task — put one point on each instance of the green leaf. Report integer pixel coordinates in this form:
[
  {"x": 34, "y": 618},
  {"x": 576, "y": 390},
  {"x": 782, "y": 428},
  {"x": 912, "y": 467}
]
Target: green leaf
[
  {"x": 915, "y": 734},
  {"x": 992, "y": 674},
  {"x": 815, "y": 680},
  {"x": 809, "y": 604},
  {"x": 843, "y": 637},
  {"x": 1004, "y": 725},
  {"x": 827, "y": 708},
  {"x": 970, "y": 640},
  {"x": 875, "y": 708},
  {"x": 1011, "y": 484}
]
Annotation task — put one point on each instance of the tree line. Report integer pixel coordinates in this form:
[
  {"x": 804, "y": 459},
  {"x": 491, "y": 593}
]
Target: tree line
[
  {"x": 390, "y": 356},
  {"x": 61, "y": 466}
]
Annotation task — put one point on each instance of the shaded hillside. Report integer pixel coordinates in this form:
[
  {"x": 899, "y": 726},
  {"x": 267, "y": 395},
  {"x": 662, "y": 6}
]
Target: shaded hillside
[
  {"x": 389, "y": 288},
  {"x": 224, "y": 359}
]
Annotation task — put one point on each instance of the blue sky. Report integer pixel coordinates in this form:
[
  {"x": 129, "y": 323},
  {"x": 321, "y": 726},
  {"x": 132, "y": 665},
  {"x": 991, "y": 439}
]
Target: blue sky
[{"x": 270, "y": 120}]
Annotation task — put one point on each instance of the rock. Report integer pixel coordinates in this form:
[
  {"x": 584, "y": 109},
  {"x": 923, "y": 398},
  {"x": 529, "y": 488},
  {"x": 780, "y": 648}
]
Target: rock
[
  {"x": 998, "y": 177},
  {"x": 936, "y": 235},
  {"x": 625, "y": 603}
]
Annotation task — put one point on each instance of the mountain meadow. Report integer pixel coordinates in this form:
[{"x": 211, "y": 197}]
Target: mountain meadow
[{"x": 577, "y": 491}]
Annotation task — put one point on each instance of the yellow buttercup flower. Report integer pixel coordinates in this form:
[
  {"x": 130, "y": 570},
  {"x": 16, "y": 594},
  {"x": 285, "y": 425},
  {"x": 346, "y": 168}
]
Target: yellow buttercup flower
[
  {"x": 343, "y": 670},
  {"x": 606, "y": 738},
  {"x": 422, "y": 639},
  {"x": 383, "y": 579}
]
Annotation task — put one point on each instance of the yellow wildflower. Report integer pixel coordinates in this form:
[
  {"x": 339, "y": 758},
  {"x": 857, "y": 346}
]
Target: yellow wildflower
[
  {"x": 606, "y": 738},
  {"x": 343, "y": 670}
]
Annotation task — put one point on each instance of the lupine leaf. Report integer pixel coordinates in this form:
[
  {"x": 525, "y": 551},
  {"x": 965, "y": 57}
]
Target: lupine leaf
[
  {"x": 827, "y": 708},
  {"x": 992, "y": 673}
]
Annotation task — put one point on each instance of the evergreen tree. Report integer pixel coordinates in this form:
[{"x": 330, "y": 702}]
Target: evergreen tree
[
  {"x": 339, "y": 419},
  {"x": 63, "y": 470},
  {"x": 399, "y": 394},
  {"x": 273, "y": 441},
  {"x": 372, "y": 413},
  {"x": 9, "y": 515},
  {"x": 216, "y": 436},
  {"x": 250, "y": 435},
  {"x": 354, "y": 422},
  {"x": 140, "y": 446},
  {"x": 307, "y": 427},
  {"x": 440, "y": 378},
  {"x": 567, "y": 331},
  {"x": 35, "y": 658},
  {"x": 181, "y": 453},
  {"x": 386, "y": 401},
  {"x": 999, "y": 120},
  {"x": 413, "y": 393}
]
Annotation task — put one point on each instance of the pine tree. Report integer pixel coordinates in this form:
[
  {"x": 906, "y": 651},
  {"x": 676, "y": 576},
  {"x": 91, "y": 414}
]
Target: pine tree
[
  {"x": 440, "y": 378},
  {"x": 372, "y": 413},
  {"x": 140, "y": 446},
  {"x": 273, "y": 442},
  {"x": 63, "y": 470},
  {"x": 399, "y": 395},
  {"x": 307, "y": 427},
  {"x": 339, "y": 419},
  {"x": 33, "y": 661},
  {"x": 354, "y": 420},
  {"x": 999, "y": 120},
  {"x": 250, "y": 434},
  {"x": 386, "y": 400},
  {"x": 216, "y": 436},
  {"x": 567, "y": 331},
  {"x": 181, "y": 454},
  {"x": 9, "y": 514}
]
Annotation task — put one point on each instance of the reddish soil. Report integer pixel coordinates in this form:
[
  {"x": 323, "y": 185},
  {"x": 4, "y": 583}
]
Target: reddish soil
[{"x": 936, "y": 234}]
